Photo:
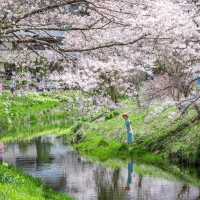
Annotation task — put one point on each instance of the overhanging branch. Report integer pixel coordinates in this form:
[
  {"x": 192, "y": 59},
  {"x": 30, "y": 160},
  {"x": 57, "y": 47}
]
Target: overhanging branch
[
  {"x": 50, "y": 7},
  {"x": 105, "y": 46}
]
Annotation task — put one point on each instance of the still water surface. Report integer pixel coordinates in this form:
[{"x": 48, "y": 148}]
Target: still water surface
[{"x": 59, "y": 166}]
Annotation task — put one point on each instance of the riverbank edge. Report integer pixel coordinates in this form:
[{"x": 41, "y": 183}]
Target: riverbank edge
[{"x": 15, "y": 184}]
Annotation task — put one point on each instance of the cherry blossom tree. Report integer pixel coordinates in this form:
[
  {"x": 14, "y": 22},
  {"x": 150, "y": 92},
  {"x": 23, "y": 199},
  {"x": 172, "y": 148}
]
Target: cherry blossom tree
[{"x": 99, "y": 36}]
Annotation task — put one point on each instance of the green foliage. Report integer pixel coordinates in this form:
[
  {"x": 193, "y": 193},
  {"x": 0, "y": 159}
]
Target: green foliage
[
  {"x": 112, "y": 114},
  {"x": 103, "y": 143},
  {"x": 30, "y": 114},
  {"x": 15, "y": 185},
  {"x": 156, "y": 132}
]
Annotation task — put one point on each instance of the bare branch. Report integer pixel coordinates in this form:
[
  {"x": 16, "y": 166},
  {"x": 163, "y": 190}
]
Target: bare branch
[
  {"x": 104, "y": 46},
  {"x": 44, "y": 9}
]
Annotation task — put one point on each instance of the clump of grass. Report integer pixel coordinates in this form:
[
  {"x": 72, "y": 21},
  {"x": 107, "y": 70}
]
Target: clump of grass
[{"x": 112, "y": 114}]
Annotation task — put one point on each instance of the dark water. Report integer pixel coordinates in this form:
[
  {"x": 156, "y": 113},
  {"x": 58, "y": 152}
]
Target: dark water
[{"x": 64, "y": 170}]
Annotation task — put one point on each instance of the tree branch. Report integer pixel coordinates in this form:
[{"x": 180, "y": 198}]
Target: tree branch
[
  {"x": 44, "y": 9},
  {"x": 104, "y": 46}
]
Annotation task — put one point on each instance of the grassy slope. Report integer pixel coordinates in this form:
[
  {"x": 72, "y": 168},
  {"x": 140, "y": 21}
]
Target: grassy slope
[
  {"x": 31, "y": 116},
  {"x": 156, "y": 132},
  {"x": 15, "y": 185}
]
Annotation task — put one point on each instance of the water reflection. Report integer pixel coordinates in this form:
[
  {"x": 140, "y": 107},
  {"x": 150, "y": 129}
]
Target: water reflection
[
  {"x": 1, "y": 152},
  {"x": 65, "y": 170},
  {"x": 108, "y": 185},
  {"x": 129, "y": 179},
  {"x": 184, "y": 191}
]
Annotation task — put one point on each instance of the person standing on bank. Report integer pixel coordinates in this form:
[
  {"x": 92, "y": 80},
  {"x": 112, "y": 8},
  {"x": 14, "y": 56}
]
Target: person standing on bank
[{"x": 130, "y": 135}]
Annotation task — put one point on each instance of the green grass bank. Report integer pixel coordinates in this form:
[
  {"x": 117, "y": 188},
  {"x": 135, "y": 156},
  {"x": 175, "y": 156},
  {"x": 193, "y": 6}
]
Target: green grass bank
[
  {"x": 15, "y": 185},
  {"x": 158, "y": 135}
]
